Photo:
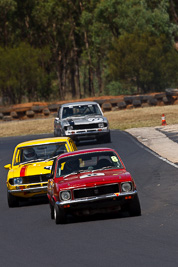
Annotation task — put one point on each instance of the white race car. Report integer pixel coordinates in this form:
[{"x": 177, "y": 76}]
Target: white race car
[{"x": 82, "y": 121}]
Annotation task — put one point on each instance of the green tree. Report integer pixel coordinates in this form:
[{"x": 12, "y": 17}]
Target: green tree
[
  {"x": 56, "y": 23},
  {"x": 7, "y": 9},
  {"x": 22, "y": 73},
  {"x": 81, "y": 35},
  {"x": 147, "y": 62}
]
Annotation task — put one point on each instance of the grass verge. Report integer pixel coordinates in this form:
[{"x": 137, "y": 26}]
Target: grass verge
[{"x": 122, "y": 119}]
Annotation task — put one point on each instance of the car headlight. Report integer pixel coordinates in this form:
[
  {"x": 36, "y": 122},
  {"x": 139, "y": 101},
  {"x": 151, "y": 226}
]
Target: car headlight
[
  {"x": 101, "y": 125},
  {"x": 65, "y": 195},
  {"x": 70, "y": 127},
  {"x": 126, "y": 187},
  {"x": 18, "y": 181}
]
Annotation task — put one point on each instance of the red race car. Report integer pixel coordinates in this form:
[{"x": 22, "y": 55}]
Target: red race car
[{"x": 91, "y": 181}]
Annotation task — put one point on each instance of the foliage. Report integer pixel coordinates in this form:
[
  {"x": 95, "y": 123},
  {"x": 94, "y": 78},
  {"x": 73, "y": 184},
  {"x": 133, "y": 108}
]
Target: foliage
[
  {"x": 114, "y": 88},
  {"x": 22, "y": 72},
  {"x": 86, "y": 48},
  {"x": 148, "y": 62}
]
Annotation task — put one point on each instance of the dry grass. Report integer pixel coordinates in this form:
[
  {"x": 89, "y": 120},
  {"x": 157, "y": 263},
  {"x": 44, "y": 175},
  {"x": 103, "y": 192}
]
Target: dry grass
[
  {"x": 142, "y": 117},
  {"x": 122, "y": 119},
  {"x": 26, "y": 127}
]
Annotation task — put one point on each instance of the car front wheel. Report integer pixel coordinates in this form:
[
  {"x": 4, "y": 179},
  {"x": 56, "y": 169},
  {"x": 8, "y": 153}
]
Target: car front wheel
[
  {"x": 104, "y": 139},
  {"x": 59, "y": 215},
  {"x": 134, "y": 207},
  {"x": 12, "y": 200},
  {"x": 57, "y": 132},
  {"x": 51, "y": 211}
]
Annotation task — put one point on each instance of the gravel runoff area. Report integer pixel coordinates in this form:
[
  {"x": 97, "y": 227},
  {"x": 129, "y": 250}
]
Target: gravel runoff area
[{"x": 157, "y": 141}]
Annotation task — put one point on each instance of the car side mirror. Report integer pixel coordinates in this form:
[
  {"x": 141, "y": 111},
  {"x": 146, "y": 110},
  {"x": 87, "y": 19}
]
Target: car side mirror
[
  {"x": 57, "y": 120},
  {"x": 8, "y": 166}
]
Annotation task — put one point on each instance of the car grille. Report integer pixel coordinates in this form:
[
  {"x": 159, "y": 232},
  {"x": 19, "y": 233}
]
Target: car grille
[
  {"x": 85, "y": 126},
  {"x": 96, "y": 191},
  {"x": 35, "y": 179}
]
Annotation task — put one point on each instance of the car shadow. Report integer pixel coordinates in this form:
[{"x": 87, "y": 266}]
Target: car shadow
[
  {"x": 33, "y": 201},
  {"x": 97, "y": 217},
  {"x": 87, "y": 142}
]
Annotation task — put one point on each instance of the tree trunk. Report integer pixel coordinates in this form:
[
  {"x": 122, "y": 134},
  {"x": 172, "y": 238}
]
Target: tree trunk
[
  {"x": 173, "y": 10},
  {"x": 99, "y": 78},
  {"x": 72, "y": 72},
  {"x": 59, "y": 73},
  {"x": 90, "y": 71},
  {"x": 76, "y": 63}
]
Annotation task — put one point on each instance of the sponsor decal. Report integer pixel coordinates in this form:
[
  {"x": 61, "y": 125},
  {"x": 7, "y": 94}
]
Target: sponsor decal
[
  {"x": 95, "y": 119},
  {"x": 91, "y": 175}
]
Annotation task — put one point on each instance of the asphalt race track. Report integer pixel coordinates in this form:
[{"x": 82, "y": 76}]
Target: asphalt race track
[{"x": 28, "y": 237}]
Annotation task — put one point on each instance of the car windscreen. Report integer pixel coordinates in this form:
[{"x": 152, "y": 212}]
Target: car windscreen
[
  {"x": 88, "y": 162},
  {"x": 44, "y": 151},
  {"x": 80, "y": 110}
]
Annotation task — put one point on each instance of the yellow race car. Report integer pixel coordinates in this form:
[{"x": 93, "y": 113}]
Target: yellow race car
[{"x": 31, "y": 167}]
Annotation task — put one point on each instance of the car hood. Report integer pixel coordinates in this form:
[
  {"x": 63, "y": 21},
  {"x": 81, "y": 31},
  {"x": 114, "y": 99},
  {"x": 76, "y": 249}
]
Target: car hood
[
  {"x": 90, "y": 179},
  {"x": 31, "y": 169},
  {"x": 84, "y": 119}
]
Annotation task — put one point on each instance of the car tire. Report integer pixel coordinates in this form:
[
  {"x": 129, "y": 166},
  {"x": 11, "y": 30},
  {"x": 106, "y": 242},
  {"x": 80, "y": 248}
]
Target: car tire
[
  {"x": 106, "y": 138},
  {"x": 12, "y": 200},
  {"x": 134, "y": 207},
  {"x": 59, "y": 215},
  {"x": 57, "y": 133},
  {"x": 51, "y": 211}
]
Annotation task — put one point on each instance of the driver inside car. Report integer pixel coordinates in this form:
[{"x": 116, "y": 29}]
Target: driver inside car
[{"x": 29, "y": 154}]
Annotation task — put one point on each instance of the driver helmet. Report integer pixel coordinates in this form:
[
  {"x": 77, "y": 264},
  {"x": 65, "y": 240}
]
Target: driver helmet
[{"x": 29, "y": 154}]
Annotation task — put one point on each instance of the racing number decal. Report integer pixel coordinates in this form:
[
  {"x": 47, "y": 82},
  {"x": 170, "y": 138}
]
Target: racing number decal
[
  {"x": 95, "y": 119},
  {"x": 114, "y": 159}
]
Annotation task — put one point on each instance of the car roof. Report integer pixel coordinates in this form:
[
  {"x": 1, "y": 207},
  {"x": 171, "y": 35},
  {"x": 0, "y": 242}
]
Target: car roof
[
  {"x": 44, "y": 141},
  {"x": 79, "y": 103},
  {"x": 84, "y": 151}
]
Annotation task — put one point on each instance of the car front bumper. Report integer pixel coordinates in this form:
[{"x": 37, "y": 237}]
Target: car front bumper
[
  {"x": 87, "y": 133},
  {"x": 98, "y": 202},
  {"x": 28, "y": 191}
]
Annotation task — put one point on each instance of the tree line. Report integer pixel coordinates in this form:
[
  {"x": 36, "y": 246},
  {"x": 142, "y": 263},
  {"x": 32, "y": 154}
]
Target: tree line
[{"x": 51, "y": 49}]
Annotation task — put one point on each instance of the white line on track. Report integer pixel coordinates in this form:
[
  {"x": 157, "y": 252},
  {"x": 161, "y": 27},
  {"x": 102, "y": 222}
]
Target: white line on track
[{"x": 152, "y": 152}]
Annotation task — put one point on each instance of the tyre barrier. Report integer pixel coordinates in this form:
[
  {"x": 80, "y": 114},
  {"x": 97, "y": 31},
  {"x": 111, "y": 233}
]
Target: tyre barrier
[
  {"x": 106, "y": 106},
  {"x": 30, "y": 113},
  {"x": 14, "y": 115},
  {"x": 107, "y": 103},
  {"x": 7, "y": 118},
  {"x": 38, "y": 108},
  {"x": 46, "y": 112},
  {"x": 122, "y": 105},
  {"x": 136, "y": 103}
]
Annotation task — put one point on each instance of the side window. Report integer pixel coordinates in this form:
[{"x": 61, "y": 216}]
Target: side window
[
  {"x": 65, "y": 148},
  {"x": 18, "y": 157},
  {"x": 60, "y": 148},
  {"x": 58, "y": 114}
]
